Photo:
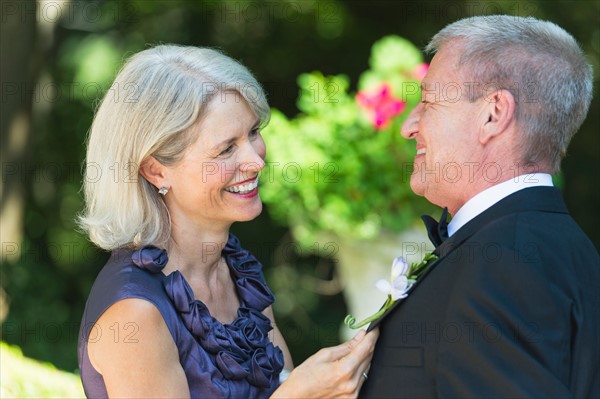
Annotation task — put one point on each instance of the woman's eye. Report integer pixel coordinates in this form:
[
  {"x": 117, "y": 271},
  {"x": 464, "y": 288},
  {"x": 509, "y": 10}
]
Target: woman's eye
[
  {"x": 255, "y": 132},
  {"x": 227, "y": 150}
]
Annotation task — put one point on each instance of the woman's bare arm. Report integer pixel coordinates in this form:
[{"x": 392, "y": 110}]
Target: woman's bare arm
[{"x": 135, "y": 353}]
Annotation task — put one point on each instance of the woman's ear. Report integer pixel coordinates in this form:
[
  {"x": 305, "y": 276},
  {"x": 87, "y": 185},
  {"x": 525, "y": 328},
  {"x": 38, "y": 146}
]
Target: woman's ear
[
  {"x": 154, "y": 172},
  {"x": 500, "y": 114}
]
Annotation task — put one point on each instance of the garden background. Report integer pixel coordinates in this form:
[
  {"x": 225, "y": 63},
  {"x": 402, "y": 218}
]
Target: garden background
[{"x": 57, "y": 59}]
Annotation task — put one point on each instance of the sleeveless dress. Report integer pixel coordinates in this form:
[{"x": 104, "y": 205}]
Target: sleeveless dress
[{"x": 234, "y": 360}]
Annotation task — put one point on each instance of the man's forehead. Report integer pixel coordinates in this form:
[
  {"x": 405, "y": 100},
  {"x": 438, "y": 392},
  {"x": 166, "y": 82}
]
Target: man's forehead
[
  {"x": 431, "y": 84},
  {"x": 444, "y": 68}
]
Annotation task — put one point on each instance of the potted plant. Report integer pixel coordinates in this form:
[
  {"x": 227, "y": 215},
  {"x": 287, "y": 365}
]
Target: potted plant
[{"x": 338, "y": 173}]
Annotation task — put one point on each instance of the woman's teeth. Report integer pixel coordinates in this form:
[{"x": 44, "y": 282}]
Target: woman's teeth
[
  {"x": 243, "y": 188},
  {"x": 421, "y": 151}
]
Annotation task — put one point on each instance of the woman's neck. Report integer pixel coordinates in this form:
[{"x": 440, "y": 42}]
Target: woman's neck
[
  {"x": 196, "y": 251},
  {"x": 196, "y": 254}
]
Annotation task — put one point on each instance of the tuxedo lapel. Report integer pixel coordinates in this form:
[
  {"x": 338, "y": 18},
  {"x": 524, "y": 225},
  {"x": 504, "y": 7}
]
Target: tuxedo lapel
[
  {"x": 545, "y": 199},
  {"x": 542, "y": 199},
  {"x": 442, "y": 251},
  {"x": 375, "y": 323}
]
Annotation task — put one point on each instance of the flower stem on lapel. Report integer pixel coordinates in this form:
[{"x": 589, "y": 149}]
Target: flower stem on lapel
[{"x": 403, "y": 278}]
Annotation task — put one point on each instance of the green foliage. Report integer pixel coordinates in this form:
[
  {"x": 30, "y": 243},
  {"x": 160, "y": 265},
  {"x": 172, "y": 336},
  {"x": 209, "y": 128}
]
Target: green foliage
[
  {"x": 22, "y": 377},
  {"x": 394, "y": 54},
  {"x": 330, "y": 170}
]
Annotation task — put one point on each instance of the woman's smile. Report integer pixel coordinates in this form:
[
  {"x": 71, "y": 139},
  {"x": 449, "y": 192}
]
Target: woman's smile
[{"x": 245, "y": 189}]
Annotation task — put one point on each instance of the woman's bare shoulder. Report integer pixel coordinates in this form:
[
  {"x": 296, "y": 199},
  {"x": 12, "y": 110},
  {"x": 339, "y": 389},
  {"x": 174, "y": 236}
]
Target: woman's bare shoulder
[{"x": 135, "y": 353}]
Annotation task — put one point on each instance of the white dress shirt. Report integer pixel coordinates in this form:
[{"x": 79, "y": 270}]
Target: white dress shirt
[{"x": 490, "y": 196}]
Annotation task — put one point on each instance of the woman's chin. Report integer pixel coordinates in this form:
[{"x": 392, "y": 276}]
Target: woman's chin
[{"x": 250, "y": 214}]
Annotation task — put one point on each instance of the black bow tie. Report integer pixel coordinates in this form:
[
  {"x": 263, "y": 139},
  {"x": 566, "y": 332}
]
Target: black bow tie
[{"x": 437, "y": 231}]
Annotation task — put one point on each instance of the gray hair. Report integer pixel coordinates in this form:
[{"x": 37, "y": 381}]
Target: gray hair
[
  {"x": 148, "y": 111},
  {"x": 540, "y": 64}
]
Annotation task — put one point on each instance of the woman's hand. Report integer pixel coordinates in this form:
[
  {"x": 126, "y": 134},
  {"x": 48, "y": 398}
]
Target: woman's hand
[{"x": 335, "y": 372}]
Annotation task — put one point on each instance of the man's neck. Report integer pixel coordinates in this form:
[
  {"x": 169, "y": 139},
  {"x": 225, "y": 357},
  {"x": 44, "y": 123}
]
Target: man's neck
[{"x": 488, "y": 197}]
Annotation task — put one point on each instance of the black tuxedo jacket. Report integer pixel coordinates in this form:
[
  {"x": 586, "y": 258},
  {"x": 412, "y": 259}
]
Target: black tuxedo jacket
[{"x": 511, "y": 309}]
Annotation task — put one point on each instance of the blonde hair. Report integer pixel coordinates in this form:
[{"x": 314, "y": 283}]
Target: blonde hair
[{"x": 155, "y": 98}]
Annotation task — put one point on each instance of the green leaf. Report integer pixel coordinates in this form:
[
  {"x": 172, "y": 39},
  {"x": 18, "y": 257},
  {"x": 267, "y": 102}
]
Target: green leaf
[{"x": 394, "y": 53}]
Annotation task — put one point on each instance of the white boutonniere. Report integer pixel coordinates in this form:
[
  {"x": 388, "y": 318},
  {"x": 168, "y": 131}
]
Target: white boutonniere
[{"x": 403, "y": 278}]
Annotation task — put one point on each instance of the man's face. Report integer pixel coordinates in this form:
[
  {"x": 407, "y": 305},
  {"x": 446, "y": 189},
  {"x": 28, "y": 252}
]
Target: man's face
[{"x": 444, "y": 126}]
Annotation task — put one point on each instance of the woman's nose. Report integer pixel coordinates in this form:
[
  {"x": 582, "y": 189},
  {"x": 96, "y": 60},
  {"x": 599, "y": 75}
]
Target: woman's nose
[{"x": 254, "y": 157}]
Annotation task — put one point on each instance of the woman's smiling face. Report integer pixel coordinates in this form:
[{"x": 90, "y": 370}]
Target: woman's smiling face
[{"x": 216, "y": 182}]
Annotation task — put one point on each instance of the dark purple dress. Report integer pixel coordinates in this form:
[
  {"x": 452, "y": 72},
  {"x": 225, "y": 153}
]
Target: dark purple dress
[{"x": 234, "y": 360}]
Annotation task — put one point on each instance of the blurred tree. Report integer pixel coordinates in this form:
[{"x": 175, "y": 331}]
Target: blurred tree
[{"x": 15, "y": 124}]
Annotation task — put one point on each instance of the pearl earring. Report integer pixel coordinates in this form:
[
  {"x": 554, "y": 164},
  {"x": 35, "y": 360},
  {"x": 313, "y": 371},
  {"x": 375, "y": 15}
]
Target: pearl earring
[{"x": 163, "y": 191}]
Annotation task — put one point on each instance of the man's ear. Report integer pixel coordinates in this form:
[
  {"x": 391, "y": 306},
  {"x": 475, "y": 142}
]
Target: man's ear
[
  {"x": 500, "y": 114},
  {"x": 154, "y": 172}
]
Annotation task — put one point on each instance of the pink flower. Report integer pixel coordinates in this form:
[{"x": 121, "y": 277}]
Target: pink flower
[
  {"x": 420, "y": 71},
  {"x": 381, "y": 105}
]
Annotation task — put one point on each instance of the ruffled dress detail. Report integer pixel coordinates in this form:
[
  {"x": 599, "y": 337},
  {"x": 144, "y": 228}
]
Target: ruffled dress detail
[{"x": 241, "y": 350}]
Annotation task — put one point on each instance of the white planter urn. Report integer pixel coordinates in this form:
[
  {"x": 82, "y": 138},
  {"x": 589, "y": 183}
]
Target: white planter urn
[{"x": 361, "y": 263}]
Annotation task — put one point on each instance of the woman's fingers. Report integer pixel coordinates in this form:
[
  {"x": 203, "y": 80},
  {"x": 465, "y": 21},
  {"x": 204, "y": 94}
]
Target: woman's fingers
[
  {"x": 363, "y": 351},
  {"x": 340, "y": 351},
  {"x": 353, "y": 358},
  {"x": 334, "y": 372},
  {"x": 361, "y": 380},
  {"x": 360, "y": 359}
]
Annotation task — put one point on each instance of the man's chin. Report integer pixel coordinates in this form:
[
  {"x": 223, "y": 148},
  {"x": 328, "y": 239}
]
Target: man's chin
[
  {"x": 417, "y": 186},
  {"x": 421, "y": 189}
]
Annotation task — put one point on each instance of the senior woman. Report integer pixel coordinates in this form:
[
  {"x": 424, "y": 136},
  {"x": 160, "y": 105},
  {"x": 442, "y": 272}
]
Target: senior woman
[{"x": 180, "y": 309}]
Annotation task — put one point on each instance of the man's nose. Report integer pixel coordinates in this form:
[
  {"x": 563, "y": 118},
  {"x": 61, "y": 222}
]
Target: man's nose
[{"x": 410, "y": 127}]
